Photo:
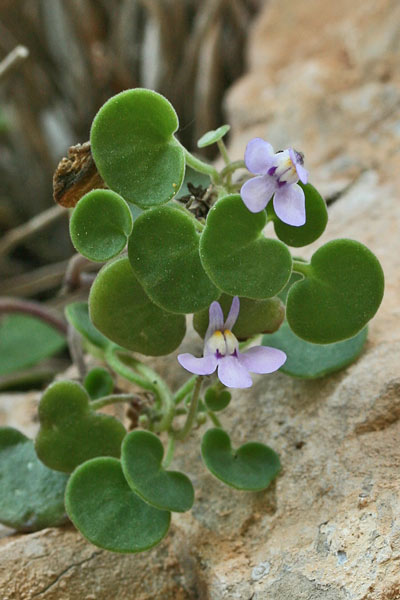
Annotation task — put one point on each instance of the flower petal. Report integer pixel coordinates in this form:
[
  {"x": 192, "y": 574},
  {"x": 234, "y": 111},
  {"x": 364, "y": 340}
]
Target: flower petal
[
  {"x": 233, "y": 314},
  {"x": 262, "y": 359},
  {"x": 297, "y": 159},
  {"x": 232, "y": 373},
  {"x": 289, "y": 205},
  {"x": 257, "y": 192},
  {"x": 199, "y": 366},
  {"x": 259, "y": 156},
  {"x": 215, "y": 320}
]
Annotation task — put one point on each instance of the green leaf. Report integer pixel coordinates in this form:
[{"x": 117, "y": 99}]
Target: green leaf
[
  {"x": 100, "y": 225},
  {"x": 164, "y": 255},
  {"x": 293, "y": 278},
  {"x": 77, "y": 313},
  {"x": 98, "y": 383},
  {"x": 70, "y": 431},
  {"x": 25, "y": 341},
  {"x": 141, "y": 458},
  {"x": 316, "y": 220},
  {"x": 134, "y": 148},
  {"x": 251, "y": 467},
  {"x": 255, "y": 316},
  {"x": 123, "y": 312},
  {"x": 213, "y": 136},
  {"x": 31, "y": 495},
  {"x": 309, "y": 361},
  {"x": 237, "y": 257},
  {"x": 341, "y": 292},
  {"x": 108, "y": 513},
  {"x": 217, "y": 400}
]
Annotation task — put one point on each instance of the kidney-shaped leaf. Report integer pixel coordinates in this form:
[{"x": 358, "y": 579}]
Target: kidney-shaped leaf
[
  {"x": 213, "y": 136},
  {"x": 316, "y": 220},
  {"x": 164, "y": 255},
  {"x": 134, "y": 148},
  {"x": 309, "y": 361},
  {"x": 70, "y": 431},
  {"x": 100, "y": 225},
  {"x": 108, "y": 513},
  {"x": 98, "y": 383},
  {"x": 31, "y": 495},
  {"x": 341, "y": 292},
  {"x": 236, "y": 255},
  {"x": 121, "y": 310},
  {"x": 141, "y": 457},
  {"x": 251, "y": 467}
]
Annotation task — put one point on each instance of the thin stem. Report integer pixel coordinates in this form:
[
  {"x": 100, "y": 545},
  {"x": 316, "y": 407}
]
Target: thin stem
[
  {"x": 163, "y": 393},
  {"x": 35, "y": 309},
  {"x": 201, "y": 166},
  {"x": 214, "y": 418},
  {"x": 224, "y": 152},
  {"x": 302, "y": 267},
  {"x": 194, "y": 402},
  {"x": 184, "y": 390},
  {"x": 17, "y": 55},
  {"x": 28, "y": 229},
  {"x": 233, "y": 166},
  {"x": 76, "y": 350},
  {"x": 169, "y": 454},
  {"x": 119, "y": 367},
  {"x": 112, "y": 399}
]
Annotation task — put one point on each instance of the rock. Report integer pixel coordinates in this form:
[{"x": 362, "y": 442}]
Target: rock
[{"x": 323, "y": 77}]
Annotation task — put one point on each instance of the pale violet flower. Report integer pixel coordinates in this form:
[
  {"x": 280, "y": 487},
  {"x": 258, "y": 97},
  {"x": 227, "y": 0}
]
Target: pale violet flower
[
  {"x": 278, "y": 174},
  {"x": 221, "y": 351}
]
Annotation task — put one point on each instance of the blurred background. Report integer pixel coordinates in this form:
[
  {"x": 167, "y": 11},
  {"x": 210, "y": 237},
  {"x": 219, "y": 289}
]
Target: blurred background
[{"x": 81, "y": 52}]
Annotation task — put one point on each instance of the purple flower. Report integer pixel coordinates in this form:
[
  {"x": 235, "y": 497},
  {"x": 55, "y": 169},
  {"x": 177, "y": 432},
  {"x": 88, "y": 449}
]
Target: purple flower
[
  {"x": 278, "y": 175},
  {"x": 221, "y": 350}
]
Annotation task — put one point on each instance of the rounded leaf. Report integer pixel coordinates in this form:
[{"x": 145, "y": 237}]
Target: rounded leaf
[
  {"x": 134, "y": 148},
  {"x": 309, "y": 361},
  {"x": 108, "y": 513},
  {"x": 141, "y": 458},
  {"x": 31, "y": 495},
  {"x": 316, "y": 220},
  {"x": 213, "y": 136},
  {"x": 164, "y": 254},
  {"x": 217, "y": 400},
  {"x": 255, "y": 316},
  {"x": 70, "y": 431},
  {"x": 77, "y": 313},
  {"x": 236, "y": 255},
  {"x": 98, "y": 383},
  {"x": 251, "y": 467},
  {"x": 100, "y": 225},
  {"x": 341, "y": 292},
  {"x": 121, "y": 310}
]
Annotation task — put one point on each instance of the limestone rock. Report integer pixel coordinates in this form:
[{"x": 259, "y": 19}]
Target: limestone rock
[{"x": 325, "y": 78}]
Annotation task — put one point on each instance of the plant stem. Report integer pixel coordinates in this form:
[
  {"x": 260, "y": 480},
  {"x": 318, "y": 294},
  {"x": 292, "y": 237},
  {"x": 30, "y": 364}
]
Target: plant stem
[
  {"x": 16, "y": 56},
  {"x": 112, "y": 399},
  {"x": 169, "y": 454},
  {"x": 233, "y": 166},
  {"x": 184, "y": 390},
  {"x": 194, "y": 402},
  {"x": 302, "y": 267},
  {"x": 164, "y": 395},
  {"x": 214, "y": 418},
  {"x": 119, "y": 367},
  {"x": 224, "y": 152},
  {"x": 34, "y": 309},
  {"x": 76, "y": 350},
  {"x": 201, "y": 166}
]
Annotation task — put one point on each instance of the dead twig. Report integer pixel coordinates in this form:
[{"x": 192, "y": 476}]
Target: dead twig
[{"x": 35, "y": 309}]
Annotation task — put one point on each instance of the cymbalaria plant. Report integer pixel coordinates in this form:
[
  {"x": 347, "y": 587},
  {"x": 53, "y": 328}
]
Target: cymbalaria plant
[{"x": 179, "y": 237}]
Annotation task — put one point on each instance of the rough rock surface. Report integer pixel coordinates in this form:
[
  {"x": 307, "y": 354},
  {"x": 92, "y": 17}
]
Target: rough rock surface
[{"x": 325, "y": 78}]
